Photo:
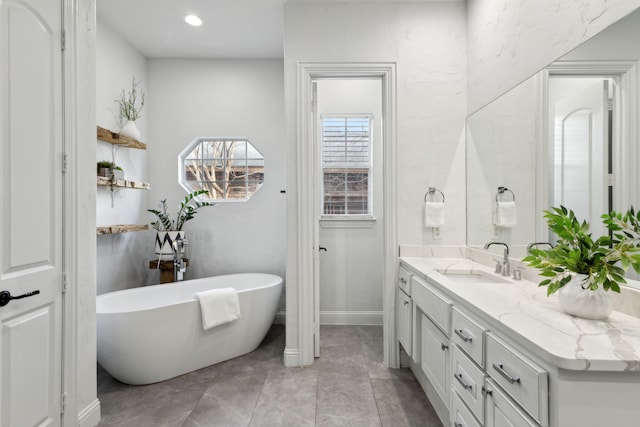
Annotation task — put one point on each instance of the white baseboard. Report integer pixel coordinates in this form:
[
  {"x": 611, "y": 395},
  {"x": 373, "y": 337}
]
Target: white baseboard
[
  {"x": 351, "y": 317},
  {"x": 280, "y": 318},
  {"x": 90, "y": 415},
  {"x": 291, "y": 357}
]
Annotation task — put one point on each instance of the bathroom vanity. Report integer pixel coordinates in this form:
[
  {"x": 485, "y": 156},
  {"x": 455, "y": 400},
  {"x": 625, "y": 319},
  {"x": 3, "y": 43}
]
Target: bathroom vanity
[{"x": 490, "y": 350}]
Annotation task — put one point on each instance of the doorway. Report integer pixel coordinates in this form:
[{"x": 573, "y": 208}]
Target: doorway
[
  {"x": 349, "y": 147},
  {"x": 582, "y": 140},
  {"x": 301, "y": 316}
]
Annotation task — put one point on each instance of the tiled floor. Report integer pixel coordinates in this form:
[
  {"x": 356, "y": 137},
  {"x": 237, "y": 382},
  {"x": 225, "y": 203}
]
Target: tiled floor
[{"x": 347, "y": 386}]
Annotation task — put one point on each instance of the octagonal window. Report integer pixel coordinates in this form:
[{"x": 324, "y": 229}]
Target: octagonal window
[{"x": 231, "y": 169}]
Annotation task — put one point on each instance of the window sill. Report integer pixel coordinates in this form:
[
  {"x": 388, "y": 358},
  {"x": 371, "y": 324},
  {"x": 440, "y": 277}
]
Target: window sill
[{"x": 364, "y": 221}]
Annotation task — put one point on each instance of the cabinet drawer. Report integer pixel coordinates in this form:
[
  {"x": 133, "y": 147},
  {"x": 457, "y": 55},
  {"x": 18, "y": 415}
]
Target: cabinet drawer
[
  {"x": 469, "y": 335},
  {"x": 460, "y": 415},
  {"x": 404, "y": 281},
  {"x": 432, "y": 303},
  {"x": 521, "y": 378},
  {"x": 502, "y": 411},
  {"x": 467, "y": 380},
  {"x": 404, "y": 312}
]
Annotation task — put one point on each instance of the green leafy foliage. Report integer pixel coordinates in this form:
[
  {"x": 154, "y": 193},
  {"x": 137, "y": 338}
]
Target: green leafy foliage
[
  {"x": 186, "y": 211},
  {"x": 604, "y": 260}
]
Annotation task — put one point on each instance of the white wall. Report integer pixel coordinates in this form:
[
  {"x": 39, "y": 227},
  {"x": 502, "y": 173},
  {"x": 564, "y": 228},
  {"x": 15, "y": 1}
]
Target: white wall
[
  {"x": 510, "y": 40},
  {"x": 205, "y": 98},
  {"x": 121, "y": 257},
  {"x": 427, "y": 42}
]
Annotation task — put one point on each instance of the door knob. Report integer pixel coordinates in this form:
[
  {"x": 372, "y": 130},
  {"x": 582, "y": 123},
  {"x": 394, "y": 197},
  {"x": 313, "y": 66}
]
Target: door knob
[{"x": 6, "y": 297}]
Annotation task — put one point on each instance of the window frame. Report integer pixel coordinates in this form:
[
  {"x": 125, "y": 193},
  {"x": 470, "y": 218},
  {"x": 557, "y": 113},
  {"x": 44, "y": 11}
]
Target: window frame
[
  {"x": 183, "y": 158},
  {"x": 365, "y": 220}
]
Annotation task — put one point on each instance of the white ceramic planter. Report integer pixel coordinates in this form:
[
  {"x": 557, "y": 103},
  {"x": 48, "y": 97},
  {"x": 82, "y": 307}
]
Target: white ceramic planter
[
  {"x": 585, "y": 303},
  {"x": 164, "y": 244},
  {"x": 131, "y": 130}
]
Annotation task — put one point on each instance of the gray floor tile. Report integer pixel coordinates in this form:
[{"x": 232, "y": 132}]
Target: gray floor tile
[
  {"x": 402, "y": 403},
  {"x": 347, "y": 386},
  {"x": 286, "y": 402},
  {"x": 343, "y": 398}
]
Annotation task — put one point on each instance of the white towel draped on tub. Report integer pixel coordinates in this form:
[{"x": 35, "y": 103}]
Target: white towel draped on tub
[
  {"x": 433, "y": 214},
  {"x": 218, "y": 306},
  {"x": 506, "y": 214}
]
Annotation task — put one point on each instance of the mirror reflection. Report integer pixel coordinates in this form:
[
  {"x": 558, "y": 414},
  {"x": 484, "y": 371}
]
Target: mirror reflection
[{"x": 564, "y": 136}]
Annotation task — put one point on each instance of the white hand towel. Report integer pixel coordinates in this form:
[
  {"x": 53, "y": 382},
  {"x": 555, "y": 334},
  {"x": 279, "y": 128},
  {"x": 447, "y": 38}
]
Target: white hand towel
[
  {"x": 433, "y": 214},
  {"x": 218, "y": 306},
  {"x": 506, "y": 214}
]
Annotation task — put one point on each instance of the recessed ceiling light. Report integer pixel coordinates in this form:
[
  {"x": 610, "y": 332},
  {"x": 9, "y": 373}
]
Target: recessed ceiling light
[{"x": 193, "y": 20}]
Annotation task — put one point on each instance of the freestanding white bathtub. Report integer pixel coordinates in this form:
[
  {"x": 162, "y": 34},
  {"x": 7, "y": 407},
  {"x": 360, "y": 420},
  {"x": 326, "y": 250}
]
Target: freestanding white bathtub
[{"x": 154, "y": 333}]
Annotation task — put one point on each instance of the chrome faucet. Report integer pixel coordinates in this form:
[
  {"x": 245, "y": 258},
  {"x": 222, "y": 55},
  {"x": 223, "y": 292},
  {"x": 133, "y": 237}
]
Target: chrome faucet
[
  {"x": 531, "y": 245},
  {"x": 179, "y": 266},
  {"x": 505, "y": 267}
]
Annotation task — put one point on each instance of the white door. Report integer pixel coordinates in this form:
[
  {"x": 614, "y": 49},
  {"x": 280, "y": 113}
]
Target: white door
[{"x": 30, "y": 212}]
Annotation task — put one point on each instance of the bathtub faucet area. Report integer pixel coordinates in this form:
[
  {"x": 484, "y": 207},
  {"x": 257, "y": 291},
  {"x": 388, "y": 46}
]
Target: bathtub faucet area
[{"x": 179, "y": 266}]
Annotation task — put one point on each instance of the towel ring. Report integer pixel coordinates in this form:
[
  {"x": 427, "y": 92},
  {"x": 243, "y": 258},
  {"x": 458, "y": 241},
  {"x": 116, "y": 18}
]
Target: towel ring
[
  {"x": 432, "y": 191},
  {"x": 502, "y": 190}
]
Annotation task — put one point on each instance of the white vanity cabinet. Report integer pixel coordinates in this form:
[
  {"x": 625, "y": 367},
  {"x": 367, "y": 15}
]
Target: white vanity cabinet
[{"x": 505, "y": 355}]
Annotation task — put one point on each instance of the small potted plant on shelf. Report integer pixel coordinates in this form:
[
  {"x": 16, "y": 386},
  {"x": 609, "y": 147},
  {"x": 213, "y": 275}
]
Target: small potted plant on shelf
[
  {"x": 170, "y": 230},
  {"x": 130, "y": 109},
  {"x": 110, "y": 170},
  {"x": 582, "y": 269}
]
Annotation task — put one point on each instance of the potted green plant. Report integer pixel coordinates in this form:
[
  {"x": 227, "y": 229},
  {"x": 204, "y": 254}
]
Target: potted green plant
[
  {"x": 110, "y": 170},
  {"x": 169, "y": 230},
  {"x": 582, "y": 269},
  {"x": 130, "y": 109}
]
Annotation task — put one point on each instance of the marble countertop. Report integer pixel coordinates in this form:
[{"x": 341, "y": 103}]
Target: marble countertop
[{"x": 525, "y": 313}]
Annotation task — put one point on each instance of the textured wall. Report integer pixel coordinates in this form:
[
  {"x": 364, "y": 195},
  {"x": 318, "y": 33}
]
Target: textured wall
[
  {"x": 510, "y": 40},
  {"x": 427, "y": 42},
  {"x": 120, "y": 260},
  {"x": 237, "y": 98}
]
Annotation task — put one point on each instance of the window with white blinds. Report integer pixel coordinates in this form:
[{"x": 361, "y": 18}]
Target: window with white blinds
[{"x": 346, "y": 165}]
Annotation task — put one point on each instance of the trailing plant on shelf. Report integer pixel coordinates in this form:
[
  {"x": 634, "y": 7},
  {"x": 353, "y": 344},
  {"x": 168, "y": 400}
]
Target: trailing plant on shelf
[
  {"x": 603, "y": 260},
  {"x": 186, "y": 211},
  {"x": 128, "y": 102}
]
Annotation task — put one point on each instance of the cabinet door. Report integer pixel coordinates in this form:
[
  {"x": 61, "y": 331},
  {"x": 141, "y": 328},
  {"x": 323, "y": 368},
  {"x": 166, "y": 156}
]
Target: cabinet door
[
  {"x": 502, "y": 411},
  {"x": 434, "y": 360},
  {"x": 404, "y": 321}
]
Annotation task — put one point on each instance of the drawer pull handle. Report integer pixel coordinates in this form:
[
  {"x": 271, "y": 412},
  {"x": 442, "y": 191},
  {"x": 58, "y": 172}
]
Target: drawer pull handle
[
  {"x": 462, "y": 383},
  {"x": 443, "y": 347},
  {"x": 498, "y": 367},
  {"x": 403, "y": 280},
  {"x": 406, "y": 303},
  {"x": 457, "y": 424},
  {"x": 487, "y": 391},
  {"x": 462, "y": 334}
]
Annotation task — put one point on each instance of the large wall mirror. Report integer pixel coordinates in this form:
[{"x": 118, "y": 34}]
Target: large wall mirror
[{"x": 568, "y": 135}]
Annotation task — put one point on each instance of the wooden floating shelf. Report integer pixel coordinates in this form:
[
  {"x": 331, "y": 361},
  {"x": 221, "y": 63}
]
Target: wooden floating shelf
[
  {"x": 104, "y": 181},
  {"x": 121, "y": 228},
  {"x": 115, "y": 138}
]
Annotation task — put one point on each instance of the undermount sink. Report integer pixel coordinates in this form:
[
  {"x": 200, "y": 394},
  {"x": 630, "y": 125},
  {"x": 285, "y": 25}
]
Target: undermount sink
[{"x": 471, "y": 276}]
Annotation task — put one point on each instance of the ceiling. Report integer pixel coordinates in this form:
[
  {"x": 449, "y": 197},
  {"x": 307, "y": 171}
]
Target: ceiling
[{"x": 231, "y": 29}]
